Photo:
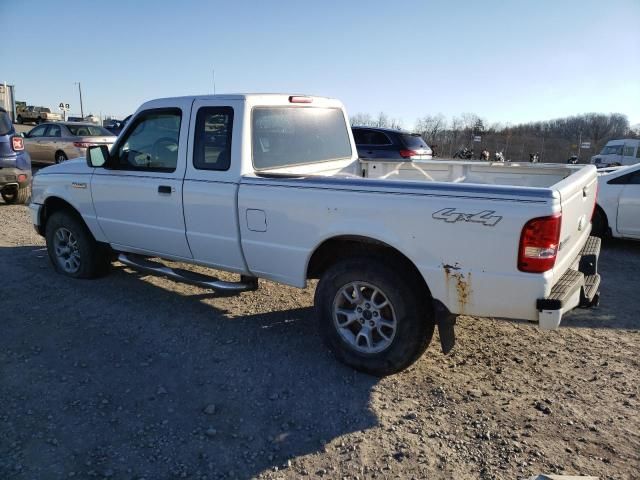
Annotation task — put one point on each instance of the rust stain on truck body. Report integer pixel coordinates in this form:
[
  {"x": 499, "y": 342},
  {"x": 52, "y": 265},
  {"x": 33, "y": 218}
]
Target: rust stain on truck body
[{"x": 459, "y": 283}]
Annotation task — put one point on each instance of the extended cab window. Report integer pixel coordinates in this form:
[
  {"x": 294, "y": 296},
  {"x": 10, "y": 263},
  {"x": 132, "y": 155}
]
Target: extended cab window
[
  {"x": 212, "y": 144},
  {"x": 152, "y": 142},
  {"x": 288, "y": 136}
]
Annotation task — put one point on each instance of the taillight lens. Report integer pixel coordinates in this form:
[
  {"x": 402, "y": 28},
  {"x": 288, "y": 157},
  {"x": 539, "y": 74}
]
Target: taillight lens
[
  {"x": 83, "y": 144},
  {"x": 17, "y": 143},
  {"x": 539, "y": 244},
  {"x": 408, "y": 153},
  {"x": 300, "y": 99}
]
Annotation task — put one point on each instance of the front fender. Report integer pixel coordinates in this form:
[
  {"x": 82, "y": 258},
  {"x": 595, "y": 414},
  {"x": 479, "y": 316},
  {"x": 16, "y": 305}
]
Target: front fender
[{"x": 74, "y": 190}]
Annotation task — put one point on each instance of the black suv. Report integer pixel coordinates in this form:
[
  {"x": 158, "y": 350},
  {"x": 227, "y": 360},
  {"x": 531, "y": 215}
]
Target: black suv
[
  {"x": 389, "y": 144},
  {"x": 15, "y": 163}
]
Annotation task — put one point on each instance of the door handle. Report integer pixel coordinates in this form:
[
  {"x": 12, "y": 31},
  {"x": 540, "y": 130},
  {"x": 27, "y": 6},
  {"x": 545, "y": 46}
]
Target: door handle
[{"x": 165, "y": 189}]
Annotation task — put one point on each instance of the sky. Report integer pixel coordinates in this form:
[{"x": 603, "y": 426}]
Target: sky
[{"x": 507, "y": 61}]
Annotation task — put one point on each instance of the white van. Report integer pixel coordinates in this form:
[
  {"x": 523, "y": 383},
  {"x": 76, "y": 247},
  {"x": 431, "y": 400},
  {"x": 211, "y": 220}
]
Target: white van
[{"x": 618, "y": 152}]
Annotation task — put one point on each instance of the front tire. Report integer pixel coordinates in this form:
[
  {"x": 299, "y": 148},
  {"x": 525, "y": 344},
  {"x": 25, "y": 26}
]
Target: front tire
[
  {"x": 372, "y": 315},
  {"x": 72, "y": 249}
]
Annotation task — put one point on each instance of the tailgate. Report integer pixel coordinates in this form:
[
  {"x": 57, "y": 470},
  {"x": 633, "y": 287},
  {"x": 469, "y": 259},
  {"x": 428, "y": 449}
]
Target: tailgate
[{"x": 577, "y": 199}]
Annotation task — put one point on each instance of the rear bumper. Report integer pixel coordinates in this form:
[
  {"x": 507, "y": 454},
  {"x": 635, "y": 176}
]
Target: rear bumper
[
  {"x": 14, "y": 177},
  {"x": 578, "y": 287}
]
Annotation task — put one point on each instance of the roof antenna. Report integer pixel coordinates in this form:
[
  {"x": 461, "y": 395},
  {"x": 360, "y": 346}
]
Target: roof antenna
[{"x": 213, "y": 74}]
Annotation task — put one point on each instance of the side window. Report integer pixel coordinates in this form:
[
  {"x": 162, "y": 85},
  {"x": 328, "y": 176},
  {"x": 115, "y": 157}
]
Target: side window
[
  {"x": 379, "y": 138},
  {"x": 152, "y": 142},
  {"x": 38, "y": 131},
  {"x": 632, "y": 178},
  {"x": 628, "y": 151},
  {"x": 53, "y": 131},
  {"x": 358, "y": 137},
  {"x": 212, "y": 143}
]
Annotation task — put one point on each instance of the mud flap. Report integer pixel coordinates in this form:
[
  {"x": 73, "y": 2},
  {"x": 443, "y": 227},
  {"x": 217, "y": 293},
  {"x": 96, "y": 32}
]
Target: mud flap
[{"x": 446, "y": 322}]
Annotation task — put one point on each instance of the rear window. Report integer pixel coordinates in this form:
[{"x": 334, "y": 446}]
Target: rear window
[
  {"x": 6, "y": 127},
  {"x": 287, "y": 136},
  {"x": 88, "y": 131},
  {"x": 413, "y": 142}
]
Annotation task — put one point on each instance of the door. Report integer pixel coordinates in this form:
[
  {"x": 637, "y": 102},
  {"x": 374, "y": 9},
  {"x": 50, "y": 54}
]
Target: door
[
  {"x": 629, "y": 206},
  {"x": 138, "y": 196},
  {"x": 628, "y": 155},
  {"x": 33, "y": 142},
  {"x": 50, "y": 142},
  {"x": 211, "y": 185}
]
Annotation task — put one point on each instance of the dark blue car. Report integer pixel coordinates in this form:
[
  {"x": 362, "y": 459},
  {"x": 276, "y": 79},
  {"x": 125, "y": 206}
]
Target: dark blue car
[
  {"x": 375, "y": 143},
  {"x": 15, "y": 164}
]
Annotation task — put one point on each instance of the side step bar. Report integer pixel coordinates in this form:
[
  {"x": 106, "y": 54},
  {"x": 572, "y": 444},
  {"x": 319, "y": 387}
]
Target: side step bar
[{"x": 246, "y": 284}]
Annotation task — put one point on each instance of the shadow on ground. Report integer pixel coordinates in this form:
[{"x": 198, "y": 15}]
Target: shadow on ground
[
  {"x": 619, "y": 267},
  {"x": 110, "y": 378}
]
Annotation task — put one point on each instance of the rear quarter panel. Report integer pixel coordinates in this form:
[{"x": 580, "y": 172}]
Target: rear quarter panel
[{"x": 470, "y": 266}]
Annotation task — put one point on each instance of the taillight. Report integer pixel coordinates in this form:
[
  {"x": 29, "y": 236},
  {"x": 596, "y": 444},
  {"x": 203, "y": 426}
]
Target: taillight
[
  {"x": 83, "y": 144},
  {"x": 300, "y": 99},
  {"x": 17, "y": 143},
  {"x": 539, "y": 244},
  {"x": 408, "y": 153}
]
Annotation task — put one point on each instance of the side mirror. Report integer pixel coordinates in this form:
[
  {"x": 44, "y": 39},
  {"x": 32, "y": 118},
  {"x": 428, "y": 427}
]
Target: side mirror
[{"x": 97, "y": 156}]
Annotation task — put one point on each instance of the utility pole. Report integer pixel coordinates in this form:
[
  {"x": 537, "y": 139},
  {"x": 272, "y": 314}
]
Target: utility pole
[{"x": 80, "y": 92}]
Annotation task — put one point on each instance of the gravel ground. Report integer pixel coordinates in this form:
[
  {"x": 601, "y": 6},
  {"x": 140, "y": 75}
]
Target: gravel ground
[{"x": 132, "y": 377}]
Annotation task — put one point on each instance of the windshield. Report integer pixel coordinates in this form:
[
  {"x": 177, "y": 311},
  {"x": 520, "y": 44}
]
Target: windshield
[
  {"x": 612, "y": 150},
  {"x": 413, "y": 141},
  {"x": 6, "y": 127},
  {"x": 287, "y": 136},
  {"x": 88, "y": 131}
]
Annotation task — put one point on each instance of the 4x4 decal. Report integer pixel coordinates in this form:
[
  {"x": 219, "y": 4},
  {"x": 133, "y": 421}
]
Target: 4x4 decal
[{"x": 485, "y": 217}]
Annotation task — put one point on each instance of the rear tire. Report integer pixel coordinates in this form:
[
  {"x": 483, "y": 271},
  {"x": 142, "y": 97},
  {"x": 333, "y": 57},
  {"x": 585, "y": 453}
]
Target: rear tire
[
  {"x": 385, "y": 326},
  {"x": 19, "y": 197},
  {"x": 60, "y": 157},
  {"x": 72, "y": 249}
]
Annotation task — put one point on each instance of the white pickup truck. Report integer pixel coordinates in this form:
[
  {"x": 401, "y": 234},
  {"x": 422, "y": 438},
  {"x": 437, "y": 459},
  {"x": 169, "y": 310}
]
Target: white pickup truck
[{"x": 270, "y": 186}]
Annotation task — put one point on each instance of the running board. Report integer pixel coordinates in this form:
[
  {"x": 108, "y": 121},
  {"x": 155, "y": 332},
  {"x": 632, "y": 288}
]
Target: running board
[{"x": 246, "y": 284}]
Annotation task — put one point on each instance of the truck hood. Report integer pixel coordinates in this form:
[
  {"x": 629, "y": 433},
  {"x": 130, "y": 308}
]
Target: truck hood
[{"x": 75, "y": 166}]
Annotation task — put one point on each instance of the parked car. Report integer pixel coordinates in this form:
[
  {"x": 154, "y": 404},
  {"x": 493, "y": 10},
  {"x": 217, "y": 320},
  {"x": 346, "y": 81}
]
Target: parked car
[
  {"x": 379, "y": 143},
  {"x": 116, "y": 126},
  {"x": 37, "y": 115},
  {"x": 618, "y": 208},
  {"x": 57, "y": 142},
  {"x": 15, "y": 164},
  {"x": 271, "y": 186},
  {"x": 618, "y": 153}
]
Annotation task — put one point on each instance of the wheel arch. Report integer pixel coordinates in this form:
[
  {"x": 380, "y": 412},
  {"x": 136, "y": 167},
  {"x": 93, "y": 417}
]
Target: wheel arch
[
  {"x": 55, "y": 204},
  {"x": 607, "y": 224},
  {"x": 340, "y": 247}
]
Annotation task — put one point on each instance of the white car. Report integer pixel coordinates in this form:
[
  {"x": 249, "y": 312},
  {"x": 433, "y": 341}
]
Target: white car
[
  {"x": 271, "y": 186},
  {"x": 618, "y": 206}
]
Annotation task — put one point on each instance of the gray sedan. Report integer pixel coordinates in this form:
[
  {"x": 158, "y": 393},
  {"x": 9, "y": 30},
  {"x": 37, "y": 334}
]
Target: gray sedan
[{"x": 57, "y": 142}]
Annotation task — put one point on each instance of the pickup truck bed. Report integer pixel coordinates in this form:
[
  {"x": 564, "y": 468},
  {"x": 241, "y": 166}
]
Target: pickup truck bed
[{"x": 270, "y": 186}]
